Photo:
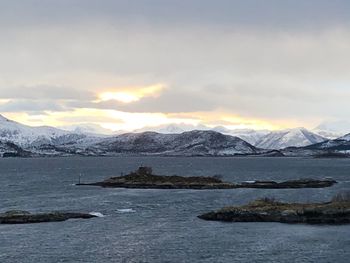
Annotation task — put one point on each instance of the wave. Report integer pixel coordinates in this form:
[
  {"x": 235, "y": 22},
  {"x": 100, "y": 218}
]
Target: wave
[
  {"x": 126, "y": 210},
  {"x": 98, "y": 214}
]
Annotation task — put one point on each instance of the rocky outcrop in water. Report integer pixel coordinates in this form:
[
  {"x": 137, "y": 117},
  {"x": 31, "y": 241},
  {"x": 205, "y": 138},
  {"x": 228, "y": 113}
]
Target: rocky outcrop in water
[
  {"x": 24, "y": 217},
  {"x": 266, "y": 210},
  {"x": 144, "y": 178},
  {"x": 300, "y": 183}
]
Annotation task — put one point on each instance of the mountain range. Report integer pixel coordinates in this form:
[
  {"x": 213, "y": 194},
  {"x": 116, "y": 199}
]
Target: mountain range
[
  {"x": 260, "y": 138},
  {"x": 17, "y": 139}
]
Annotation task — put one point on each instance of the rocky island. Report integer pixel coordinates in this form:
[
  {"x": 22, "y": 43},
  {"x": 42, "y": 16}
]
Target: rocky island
[
  {"x": 24, "y": 217},
  {"x": 143, "y": 178},
  {"x": 299, "y": 183},
  {"x": 268, "y": 210}
]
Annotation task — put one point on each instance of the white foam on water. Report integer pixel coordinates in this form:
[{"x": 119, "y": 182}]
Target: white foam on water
[
  {"x": 98, "y": 214},
  {"x": 126, "y": 210}
]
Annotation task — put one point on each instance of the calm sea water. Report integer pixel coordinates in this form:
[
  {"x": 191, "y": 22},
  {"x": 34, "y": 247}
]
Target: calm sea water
[{"x": 161, "y": 225}]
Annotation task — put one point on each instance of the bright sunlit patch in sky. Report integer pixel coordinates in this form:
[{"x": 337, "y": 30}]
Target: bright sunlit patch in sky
[
  {"x": 132, "y": 121},
  {"x": 132, "y": 94},
  {"x": 109, "y": 119},
  {"x": 119, "y": 96},
  {"x": 3, "y": 101}
]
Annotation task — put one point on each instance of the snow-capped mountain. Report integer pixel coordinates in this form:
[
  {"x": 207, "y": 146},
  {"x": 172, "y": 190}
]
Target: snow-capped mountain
[
  {"x": 297, "y": 137},
  {"x": 249, "y": 135},
  {"x": 42, "y": 139},
  {"x": 193, "y": 143},
  {"x": 333, "y": 129},
  {"x": 326, "y": 148},
  {"x": 24, "y": 135}
]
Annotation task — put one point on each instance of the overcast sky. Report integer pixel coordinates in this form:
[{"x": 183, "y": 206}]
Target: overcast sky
[{"x": 127, "y": 64}]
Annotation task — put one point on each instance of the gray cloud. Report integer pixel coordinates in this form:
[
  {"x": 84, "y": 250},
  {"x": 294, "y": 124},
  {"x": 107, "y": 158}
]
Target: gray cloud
[
  {"x": 31, "y": 106},
  {"x": 267, "y": 59},
  {"x": 44, "y": 92},
  {"x": 271, "y": 13},
  {"x": 169, "y": 102},
  {"x": 248, "y": 99},
  {"x": 89, "y": 119}
]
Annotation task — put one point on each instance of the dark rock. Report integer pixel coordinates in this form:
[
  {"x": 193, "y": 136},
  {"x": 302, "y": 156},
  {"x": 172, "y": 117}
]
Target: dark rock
[
  {"x": 272, "y": 211},
  {"x": 24, "y": 217},
  {"x": 300, "y": 183}
]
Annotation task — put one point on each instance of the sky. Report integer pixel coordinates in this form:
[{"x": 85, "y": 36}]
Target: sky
[{"x": 261, "y": 64}]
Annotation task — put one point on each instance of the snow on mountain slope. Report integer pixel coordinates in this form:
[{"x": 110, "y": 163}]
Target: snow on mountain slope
[
  {"x": 336, "y": 148},
  {"x": 249, "y": 135},
  {"x": 340, "y": 145},
  {"x": 191, "y": 143},
  {"x": 297, "y": 137},
  {"x": 25, "y": 135},
  {"x": 33, "y": 138},
  {"x": 328, "y": 134},
  {"x": 345, "y": 137}
]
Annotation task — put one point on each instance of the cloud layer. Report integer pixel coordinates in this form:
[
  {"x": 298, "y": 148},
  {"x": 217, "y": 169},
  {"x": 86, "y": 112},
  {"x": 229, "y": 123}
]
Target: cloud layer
[{"x": 284, "y": 62}]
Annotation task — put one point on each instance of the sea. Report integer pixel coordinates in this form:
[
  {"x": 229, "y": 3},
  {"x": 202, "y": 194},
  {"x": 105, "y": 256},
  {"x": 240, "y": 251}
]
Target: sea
[{"x": 146, "y": 225}]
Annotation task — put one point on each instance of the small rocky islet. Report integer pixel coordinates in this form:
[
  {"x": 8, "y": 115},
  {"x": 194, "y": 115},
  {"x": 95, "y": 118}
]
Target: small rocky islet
[
  {"x": 25, "y": 217},
  {"x": 143, "y": 178},
  {"x": 269, "y": 210}
]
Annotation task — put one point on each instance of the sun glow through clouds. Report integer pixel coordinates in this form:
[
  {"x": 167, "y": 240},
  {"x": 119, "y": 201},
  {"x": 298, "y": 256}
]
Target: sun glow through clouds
[
  {"x": 118, "y": 120},
  {"x": 119, "y": 96},
  {"x": 126, "y": 121},
  {"x": 4, "y": 101},
  {"x": 132, "y": 94}
]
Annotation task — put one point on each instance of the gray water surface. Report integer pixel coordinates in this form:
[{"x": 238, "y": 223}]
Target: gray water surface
[{"x": 162, "y": 225}]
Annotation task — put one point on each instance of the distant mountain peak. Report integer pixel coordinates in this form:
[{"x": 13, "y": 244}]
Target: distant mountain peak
[
  {"x": 296, "y": 137},
  {"x": 2, "y": 118}
]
